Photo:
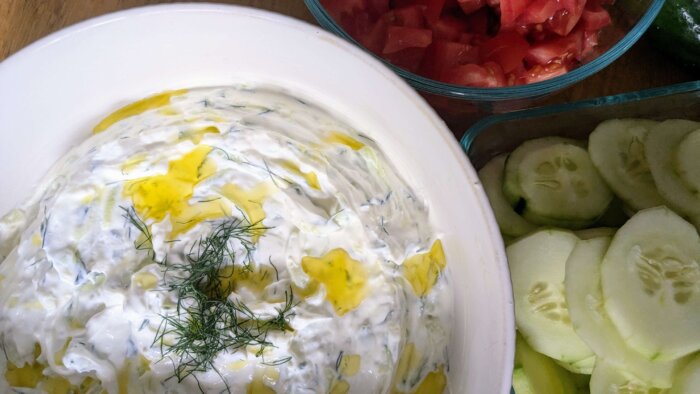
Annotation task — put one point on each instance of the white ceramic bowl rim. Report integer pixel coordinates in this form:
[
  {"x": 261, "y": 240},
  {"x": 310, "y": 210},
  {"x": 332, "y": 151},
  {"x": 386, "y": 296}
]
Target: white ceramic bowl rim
[{"x": 50, "y": 95}]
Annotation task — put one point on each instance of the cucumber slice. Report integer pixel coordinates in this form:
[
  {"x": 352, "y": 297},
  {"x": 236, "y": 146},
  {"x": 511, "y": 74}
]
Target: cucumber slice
[
  {"x": 662, "y": 144},
  {"x": 560, "y": 183},
  {"x": 540, "y": 374},
  {"x": 688, "y": 161},
  {"x": 608, "y": 380},
  {"x": 582, "y": 367},
  {"x": 591, "y": 322},
  {"x": 688, "y": 379},
  {"x": 509, "y": 221},
  {"x": 617, "y": 150},
  {"x": 537, "y": 263},
  {"x": 651, "y": 284},
  {"x": 511, "y": 185},
  {"x": 521, "y": 383}
]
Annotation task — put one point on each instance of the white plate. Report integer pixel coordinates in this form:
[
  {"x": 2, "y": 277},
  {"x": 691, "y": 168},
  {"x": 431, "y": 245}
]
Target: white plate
[{"x": 54, "y": 91}]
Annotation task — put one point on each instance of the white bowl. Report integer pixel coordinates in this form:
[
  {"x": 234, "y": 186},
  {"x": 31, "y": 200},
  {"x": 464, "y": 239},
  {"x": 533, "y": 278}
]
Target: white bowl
[{"x": 55, "y": 90}]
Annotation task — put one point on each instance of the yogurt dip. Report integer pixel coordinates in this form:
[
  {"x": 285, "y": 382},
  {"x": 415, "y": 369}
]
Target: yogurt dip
[{"x": 231, "y": 239}]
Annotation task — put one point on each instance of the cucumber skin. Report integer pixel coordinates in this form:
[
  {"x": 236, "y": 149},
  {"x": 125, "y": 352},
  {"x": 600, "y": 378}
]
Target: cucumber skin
[{"x": 676, "y": 31}]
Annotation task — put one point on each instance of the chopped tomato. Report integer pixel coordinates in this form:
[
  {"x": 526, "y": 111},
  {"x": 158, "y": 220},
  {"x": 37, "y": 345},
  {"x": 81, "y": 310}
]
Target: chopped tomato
[
  {"x": 541, "y": 73},
  {"x": 443, "y": 55},
  {"x": 590, "y": 43},
  {"x": 356, "y": 25},
  {"x": 408, "y": 59},
  {"x": 399, "y": 38},
  {"x": 595, "y": 18},
  {"x": 539, "y": 11},
  {"x": 564, "y": 20},
  {"x": 562, "y": 50},
  {"x": 507, "y": 48},
  {"x": 449, "y": 28},
  {"x": 411, "y": 16},
  {"x": 466, "y": 38},
  {"x": 376, "y": 7},
  {"x": 474, "y": 75},
  {"x": 375, "y": 39},
  {"x": 469, "y": 6},
  {"x": 511, "y": 10},
  {"x": 431, "y": 8},
  {"x": 484, "y": 43}
]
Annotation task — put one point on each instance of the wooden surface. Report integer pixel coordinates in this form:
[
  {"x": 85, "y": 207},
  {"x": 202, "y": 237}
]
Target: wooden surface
[{"x": 24, "y": 21}]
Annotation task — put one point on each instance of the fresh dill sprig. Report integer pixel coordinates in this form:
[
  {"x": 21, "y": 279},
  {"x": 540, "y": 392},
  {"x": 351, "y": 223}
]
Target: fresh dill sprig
[
  {"x": 206, "y": 321},
  {"x": 147, "y": 242}
]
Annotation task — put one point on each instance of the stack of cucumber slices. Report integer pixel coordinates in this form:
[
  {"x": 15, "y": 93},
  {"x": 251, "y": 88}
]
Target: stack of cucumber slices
[{"x": 604, "y": 256}]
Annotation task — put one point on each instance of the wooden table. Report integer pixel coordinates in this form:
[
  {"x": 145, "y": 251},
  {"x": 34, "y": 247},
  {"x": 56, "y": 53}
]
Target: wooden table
[{"x": 24, "y": 21}]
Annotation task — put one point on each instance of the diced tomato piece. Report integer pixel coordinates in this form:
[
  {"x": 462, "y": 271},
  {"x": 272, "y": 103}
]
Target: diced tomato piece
[
  {"x": 539, "y": 11},
  {"x": 541, "y": 73},
  {"x": 595, "y": 18},
  {"x": 408, "y": 59},
  {"x": 474, "y": 75},
  {"x": 336, "y": 8},
  {"x": 431, "y": 8},
  {"x": 357, "y": 24},
  {"x": 507, "y": 48},
  {"x": 466, "y": 38},
  {"x": 561, "y": 50},
  {"x": 469, "y": 6},
  {"x": 448, "y": 27},
  {"x": 512, "y": 77},
  {"x": 590, "y": 42},
  {"x": 410, "y": 16},
  {"x": 399, "y": 38},
  {"x": 511, "y": 10},
  {"x": 375, "y": 39},
  {"x": 565, "y": 19},
  {"x": 377, "y": 7},
  {"x": 443, "y": 55},
  {"x": 496, "y": 72},
  {"x": 495, "y": 4},
  {"x": 478, "y": 22}
]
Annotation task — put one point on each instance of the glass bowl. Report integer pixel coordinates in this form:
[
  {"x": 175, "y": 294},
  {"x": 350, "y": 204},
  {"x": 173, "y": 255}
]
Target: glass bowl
[
  {"x": 461, "y": 106},
  {"x": 502, "y": 133}
]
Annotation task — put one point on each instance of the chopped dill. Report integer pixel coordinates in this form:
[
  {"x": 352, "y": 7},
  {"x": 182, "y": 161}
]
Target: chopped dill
[{"x": 206, "y": 321}]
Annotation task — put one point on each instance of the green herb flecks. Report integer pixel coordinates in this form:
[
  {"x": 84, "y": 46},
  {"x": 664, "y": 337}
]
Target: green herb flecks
[{"x": 206, "y": 321}]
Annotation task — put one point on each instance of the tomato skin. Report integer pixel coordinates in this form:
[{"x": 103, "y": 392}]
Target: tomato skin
[
  {"x": 399, "y": 38},
  {"x": 507, "y": 48}
]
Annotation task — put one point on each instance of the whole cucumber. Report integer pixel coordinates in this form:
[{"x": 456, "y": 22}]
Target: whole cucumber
[{"x": 676, "y": 31}]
